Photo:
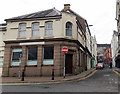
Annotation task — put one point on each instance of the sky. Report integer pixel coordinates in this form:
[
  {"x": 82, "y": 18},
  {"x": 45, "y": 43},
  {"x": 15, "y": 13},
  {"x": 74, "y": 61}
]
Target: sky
[{"x": 99, "y": 13}]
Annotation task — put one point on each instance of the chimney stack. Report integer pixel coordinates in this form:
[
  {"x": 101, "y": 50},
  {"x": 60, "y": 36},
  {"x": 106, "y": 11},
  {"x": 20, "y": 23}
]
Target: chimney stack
[{"x": 66, "y": 7}]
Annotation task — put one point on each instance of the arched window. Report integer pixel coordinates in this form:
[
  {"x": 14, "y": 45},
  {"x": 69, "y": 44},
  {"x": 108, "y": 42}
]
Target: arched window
[
  {"x": 22, "y": 30},
  {"x": 35, "y": 29},
  {"x": 49, "y": 28},
  {"x": 68, "y": 29}
]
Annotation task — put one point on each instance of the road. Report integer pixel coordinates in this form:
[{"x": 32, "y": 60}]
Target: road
[{"x": 102, "y": 81}]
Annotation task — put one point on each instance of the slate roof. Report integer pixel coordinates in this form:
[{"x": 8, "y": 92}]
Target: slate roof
[
  {"x": 80, "y": 19},
  {"x": 103, "y": 45},
  {"x": 3, "y": 27},
  {"x": 41, "y": 14},
  {"x": 50, "y": 13}
]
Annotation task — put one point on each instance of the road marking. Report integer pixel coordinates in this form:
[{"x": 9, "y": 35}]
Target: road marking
[
  {"x": 106, "y": 75},
  {"x": 116, "y": 72},
  {"x": 50, "y": 82}
]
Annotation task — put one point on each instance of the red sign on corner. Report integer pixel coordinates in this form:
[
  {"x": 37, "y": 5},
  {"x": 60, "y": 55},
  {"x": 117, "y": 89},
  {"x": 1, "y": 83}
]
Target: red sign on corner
[{"x": 65, "y": 50}]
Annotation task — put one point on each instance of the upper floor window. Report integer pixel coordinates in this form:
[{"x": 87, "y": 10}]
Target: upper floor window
[
  {"x": 22, "y": 30},
  {"x": 48, "y": 28},
  {"x": 35, "y": 29},
  {"x": 68, "y": 29}
]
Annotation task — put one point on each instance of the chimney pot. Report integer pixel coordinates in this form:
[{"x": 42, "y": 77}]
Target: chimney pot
[{"x": 66, "y": 7}]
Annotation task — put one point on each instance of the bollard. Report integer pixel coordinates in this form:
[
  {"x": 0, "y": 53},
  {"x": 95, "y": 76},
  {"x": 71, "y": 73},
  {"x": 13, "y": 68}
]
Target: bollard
[
  {"x": 22, "y": 75},
  {"x": 52, "y": 74},
  {"x": 18, "y": 74}
]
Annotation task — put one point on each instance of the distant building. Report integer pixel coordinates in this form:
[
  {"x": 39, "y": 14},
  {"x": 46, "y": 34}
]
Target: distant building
[
  {"x": 34, "y": 42},
  {"x": 94, "y": 51},
  {"x": 104, "y": 54},
  {"x": 114, "y": 46},
  {"x": 2, "y": 33},
  {"x": 118, "y": 20}
]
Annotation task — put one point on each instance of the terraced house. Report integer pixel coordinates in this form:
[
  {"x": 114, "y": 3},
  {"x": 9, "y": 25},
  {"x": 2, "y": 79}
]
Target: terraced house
[
  {"x": 34, "y": 42},
  {"x": 2, "y": 33}
]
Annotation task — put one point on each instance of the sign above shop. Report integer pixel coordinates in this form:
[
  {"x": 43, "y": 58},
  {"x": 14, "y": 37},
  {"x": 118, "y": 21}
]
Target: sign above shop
[{"x": 31, "y": 43}]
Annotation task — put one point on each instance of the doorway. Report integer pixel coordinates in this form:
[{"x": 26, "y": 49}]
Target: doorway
[{"x": 68, "y": 63}]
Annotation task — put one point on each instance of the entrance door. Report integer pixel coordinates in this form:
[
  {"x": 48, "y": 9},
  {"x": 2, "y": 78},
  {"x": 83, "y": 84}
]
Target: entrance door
[{"x": 68, "y": 63}]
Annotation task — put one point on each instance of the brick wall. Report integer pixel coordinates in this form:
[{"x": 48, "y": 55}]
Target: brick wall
[{"x": 40, "y": 69}]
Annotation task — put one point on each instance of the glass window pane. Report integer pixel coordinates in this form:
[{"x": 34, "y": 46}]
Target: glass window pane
[
  {"x": 16, "y": 53},
  {"x": 49, "y": 33},
  {"x": 32, "y": 53},
  {"x": 22, "y": 29},
  {"x": 48, "y": 28},
  {"x": 35, "y": 33},
  {"x": 32, "y": 62},
  {"x": 47, "y": 61},
  {"x": 16, "y": 56},
  {"x": 22, "y": 34},
  {"x": 68, "y": 29},
  {"x": 1, "y": 61},
  {"x": 48, "y": 52},
  {"x": 35, "y": 29},
  {"x": 68, "y": 32}
]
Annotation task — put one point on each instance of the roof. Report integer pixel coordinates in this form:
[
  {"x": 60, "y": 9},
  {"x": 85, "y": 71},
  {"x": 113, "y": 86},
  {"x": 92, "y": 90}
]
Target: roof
[
  {"x": 3, "y": 27},
  {"x": 103, "y": 45},
  {"x": 80, "y": 19},
  {"x": 3, "y": 24},
  {"x": 41, "y": 14}
]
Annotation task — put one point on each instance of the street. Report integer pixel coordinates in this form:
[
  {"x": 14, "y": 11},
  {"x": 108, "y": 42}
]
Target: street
[{"x": 102, "y": 81}]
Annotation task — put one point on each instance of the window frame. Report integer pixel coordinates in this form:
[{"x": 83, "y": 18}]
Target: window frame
[
  {"x": 31, "y": 62},
  {"x": 48, "y": 61},
  {"x": 68, "y": 28},
  {"x": 35, "y": 30},
  {"x": 48, "y": 31},
  {"x": 23, "y": 30},
  {"x": 12, "y": 61}
]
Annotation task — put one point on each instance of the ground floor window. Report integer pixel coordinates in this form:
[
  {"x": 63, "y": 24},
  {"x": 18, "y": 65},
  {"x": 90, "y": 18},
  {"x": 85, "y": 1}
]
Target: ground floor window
[
  {"x": 48, "y": 55},
  {"x": 32, "y": 55},
  {"x": 16, "y": 54},
  {"x": 1, "y": 61}
]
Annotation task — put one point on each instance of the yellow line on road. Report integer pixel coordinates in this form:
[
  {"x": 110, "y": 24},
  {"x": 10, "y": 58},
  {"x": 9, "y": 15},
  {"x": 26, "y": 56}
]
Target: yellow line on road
[
  {"x": 88, "y": 75},
  {"x": 50, "y": 82},
  {"x": 116, "y": 72}
]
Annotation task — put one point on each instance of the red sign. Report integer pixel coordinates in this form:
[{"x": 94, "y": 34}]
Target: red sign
[{"x": 65, "y": 50}]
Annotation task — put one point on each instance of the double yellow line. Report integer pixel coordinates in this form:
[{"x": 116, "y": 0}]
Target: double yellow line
[{"x": 51, "y": 82}]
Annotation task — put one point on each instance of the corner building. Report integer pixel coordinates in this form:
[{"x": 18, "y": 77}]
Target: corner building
[{"x": 34, "y": 42}]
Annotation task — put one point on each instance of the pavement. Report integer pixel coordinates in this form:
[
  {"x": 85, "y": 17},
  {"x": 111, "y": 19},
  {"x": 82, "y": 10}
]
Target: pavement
[
  {"x": 47, "y": 79},
  {"x": 117, "y": 69},
  {"x": 81, "y": 76}
]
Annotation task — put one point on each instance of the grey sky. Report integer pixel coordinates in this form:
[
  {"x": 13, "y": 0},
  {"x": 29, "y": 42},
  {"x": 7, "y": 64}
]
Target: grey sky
[{"x": 99, "y": 13}]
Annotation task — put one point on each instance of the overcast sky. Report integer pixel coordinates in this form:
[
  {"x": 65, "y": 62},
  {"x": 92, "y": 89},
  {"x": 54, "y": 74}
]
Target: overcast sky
[{"x": 99, "y": 13}]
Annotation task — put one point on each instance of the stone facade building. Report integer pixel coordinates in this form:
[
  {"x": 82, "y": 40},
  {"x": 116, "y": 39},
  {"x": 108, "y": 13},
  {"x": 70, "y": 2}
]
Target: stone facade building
[
  {"x": 114, "y": 46},
  {"x": 104, "y": 54},
  {"x": 34, "y": 43},
  {"x": 2, "y": 33},
  {"x": 118, "y": 20}
]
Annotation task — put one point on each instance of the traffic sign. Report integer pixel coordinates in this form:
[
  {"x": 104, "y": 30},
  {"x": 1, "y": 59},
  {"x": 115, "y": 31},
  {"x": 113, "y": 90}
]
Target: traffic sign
[{"x": 65, "y": 50}]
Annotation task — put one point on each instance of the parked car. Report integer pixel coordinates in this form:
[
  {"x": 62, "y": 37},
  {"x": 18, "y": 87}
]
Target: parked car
[{"x": 99, "y": 66}]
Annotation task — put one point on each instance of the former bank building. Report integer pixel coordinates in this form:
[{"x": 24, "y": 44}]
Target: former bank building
[{"x": 34, "y": 42}]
